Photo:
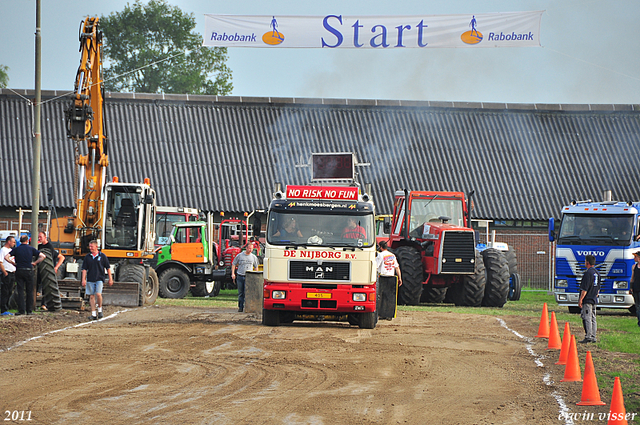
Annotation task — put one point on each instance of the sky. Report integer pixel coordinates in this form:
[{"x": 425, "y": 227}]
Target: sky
[{"x": 589, "y": 53}]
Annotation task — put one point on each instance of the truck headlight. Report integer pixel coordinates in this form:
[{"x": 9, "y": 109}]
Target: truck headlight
[
  {"x": 359, "y": 297},
  {"x": 279, "y": 295},
  {"x": 620, "y": 284},
  {"x": 561, "y": 283}
]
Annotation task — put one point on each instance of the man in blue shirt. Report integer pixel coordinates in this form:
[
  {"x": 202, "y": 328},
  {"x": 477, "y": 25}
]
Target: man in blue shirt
[
  {"x": 589, "y": 288},
  {"x": 93, "y": 275},
  {"x": 23, "y": 261}
]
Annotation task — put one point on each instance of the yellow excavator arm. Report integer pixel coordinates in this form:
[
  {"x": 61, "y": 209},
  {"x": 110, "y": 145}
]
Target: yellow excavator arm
[{"x": 85, "y": 123}]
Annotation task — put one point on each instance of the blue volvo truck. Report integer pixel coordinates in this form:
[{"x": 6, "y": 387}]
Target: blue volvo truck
[{"x": 607, "y": 230}]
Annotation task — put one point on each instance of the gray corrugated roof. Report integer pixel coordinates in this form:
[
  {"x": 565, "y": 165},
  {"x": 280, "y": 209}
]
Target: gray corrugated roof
[{"x": 225, "y": 153}]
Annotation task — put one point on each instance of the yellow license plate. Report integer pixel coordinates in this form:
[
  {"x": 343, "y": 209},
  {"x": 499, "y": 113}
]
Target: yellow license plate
[{"x": 318, "y": 295}]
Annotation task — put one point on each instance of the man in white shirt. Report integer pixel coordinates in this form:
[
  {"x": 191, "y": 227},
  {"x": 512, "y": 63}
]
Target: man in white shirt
[{"x": 388, "y": 268}]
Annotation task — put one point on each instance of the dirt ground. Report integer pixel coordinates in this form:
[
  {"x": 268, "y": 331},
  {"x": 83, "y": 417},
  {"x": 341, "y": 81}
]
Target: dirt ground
[{"x": 174, "y": 365}]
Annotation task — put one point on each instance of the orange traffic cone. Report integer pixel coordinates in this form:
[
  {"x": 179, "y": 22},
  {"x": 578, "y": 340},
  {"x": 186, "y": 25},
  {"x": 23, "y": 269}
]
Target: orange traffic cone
[
  {"x": 554, "y": 335},
  {"x": 543, "y": 329},
  {"x": 617, "y": 412},
  {"x": 572, "y": 369},
  {"x": 590, "y": 391},
  {"x": 566, "y": 342}
]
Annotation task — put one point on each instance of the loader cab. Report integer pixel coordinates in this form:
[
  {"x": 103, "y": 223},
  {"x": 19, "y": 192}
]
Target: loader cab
[{"x": 129, "y": 211}]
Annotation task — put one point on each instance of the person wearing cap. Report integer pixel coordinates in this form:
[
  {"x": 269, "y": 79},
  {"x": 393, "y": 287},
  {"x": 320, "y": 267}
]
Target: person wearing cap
[{"x": 635, "y": 282}]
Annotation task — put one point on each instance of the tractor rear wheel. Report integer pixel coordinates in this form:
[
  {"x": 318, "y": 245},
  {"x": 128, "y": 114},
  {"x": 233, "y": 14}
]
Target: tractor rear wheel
[
  {"x": 47, "y": 276},
  {"x": 469, "y": 291},
  {"x": 497, "y": 274},
  {"x": 174, "y": 283},
  {"x": 433, "y": 294},
  {"x": 512, "y": 260},
  {"x": 410, "y": 291}
]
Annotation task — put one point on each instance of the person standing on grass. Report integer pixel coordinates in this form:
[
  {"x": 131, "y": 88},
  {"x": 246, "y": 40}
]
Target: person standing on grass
[
  {"x": 589, "y": 288},
  {"x": 635, "y": 283},
  {"x": 93, "y": 276},
  {"x": 244, "y": 261}
]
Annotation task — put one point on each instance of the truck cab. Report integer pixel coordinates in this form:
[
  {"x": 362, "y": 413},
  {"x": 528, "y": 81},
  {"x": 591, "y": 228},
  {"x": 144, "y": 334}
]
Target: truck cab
[{"x": 608, "y": 231}]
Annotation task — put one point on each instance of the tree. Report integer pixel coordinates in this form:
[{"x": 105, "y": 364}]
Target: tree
[
  {"x": 4, "y": 77},
  {"x": 140, "y": 38}
]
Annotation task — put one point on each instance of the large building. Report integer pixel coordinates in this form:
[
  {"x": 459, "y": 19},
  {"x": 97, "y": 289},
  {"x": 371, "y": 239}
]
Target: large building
[{"x": 225, "y": 153}]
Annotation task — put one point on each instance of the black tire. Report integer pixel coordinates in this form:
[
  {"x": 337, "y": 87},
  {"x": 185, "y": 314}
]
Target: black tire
[
  {"x": 216, "y": 288},
  {"x": 47, "y": 277},
  {"x": 497, "y": 278},
  {"x": 515, "y": 287},
  {"x": 368, "y": 320},
  {"x": 133, "y": 273},
  {"x": 512, "y": 260},
  {"x": 433, "y": 294},
  {"x": 575, "y": 310},
  {"x": 174, "y": 283},
  {"x": 203, "y": 289},
  {"x": 469, "y": 291},
  {"x": 270, "y": 317},
  {"x": 411, "y": 266},
  {"x": 62, "y": 271},
  {"x": 352, "y": 319},
  {"x": 632, "y": 310},
  {"x": 152, "y": 288}
]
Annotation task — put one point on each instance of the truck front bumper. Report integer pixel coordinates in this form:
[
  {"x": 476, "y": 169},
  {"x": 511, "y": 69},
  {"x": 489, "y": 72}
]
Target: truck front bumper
[
  {"x": 570, "y": 299},
  {"x": 342, "y": 299}
]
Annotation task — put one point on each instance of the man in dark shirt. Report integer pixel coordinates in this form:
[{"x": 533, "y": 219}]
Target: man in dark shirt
[
  {"x": 93, "y": 276},
  {"x": 23, "y": 261},
  {"x": 589, "y": 288}
]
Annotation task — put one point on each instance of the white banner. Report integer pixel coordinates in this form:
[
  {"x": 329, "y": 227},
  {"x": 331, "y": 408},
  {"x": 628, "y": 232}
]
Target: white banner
[{"x": 509, "y": 29}]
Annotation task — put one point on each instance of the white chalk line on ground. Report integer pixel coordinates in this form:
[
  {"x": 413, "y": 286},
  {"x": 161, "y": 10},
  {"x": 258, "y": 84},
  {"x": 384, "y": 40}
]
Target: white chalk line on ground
[
  {"x": 18, "y": 344},
  {"x": 564, "y": 410}
]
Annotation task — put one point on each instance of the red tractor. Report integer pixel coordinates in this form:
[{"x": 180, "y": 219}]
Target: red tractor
[{"x": 436, "y": 249}]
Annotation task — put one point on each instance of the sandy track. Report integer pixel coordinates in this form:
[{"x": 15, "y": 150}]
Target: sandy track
[{"x": 188, "y": 365}]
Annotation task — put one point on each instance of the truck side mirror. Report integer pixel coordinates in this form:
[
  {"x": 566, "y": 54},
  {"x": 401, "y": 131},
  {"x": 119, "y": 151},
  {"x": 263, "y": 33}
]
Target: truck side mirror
[
  {"x": 552, "y": 233},
  {"x": 386, "y": 226}
]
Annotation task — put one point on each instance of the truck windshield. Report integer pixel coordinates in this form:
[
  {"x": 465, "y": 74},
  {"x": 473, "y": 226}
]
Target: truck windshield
[
  {"x": 326, "y": 229},
  {"x": 430, "y": 210},
  {"x": 593, "y": 229},
  {"x": 121, "y": 224}
]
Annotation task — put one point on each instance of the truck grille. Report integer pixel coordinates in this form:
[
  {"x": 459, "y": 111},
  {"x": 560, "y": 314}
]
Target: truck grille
[
  {"x": 458, "y": 252},
  {"x": 326, "y": 271}
]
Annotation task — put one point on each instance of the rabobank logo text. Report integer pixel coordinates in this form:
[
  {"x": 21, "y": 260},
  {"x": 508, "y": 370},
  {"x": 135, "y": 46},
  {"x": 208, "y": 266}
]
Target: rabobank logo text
[
  {"x": 510, "y": 37},
  {"x": 233, "y": 37}
]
